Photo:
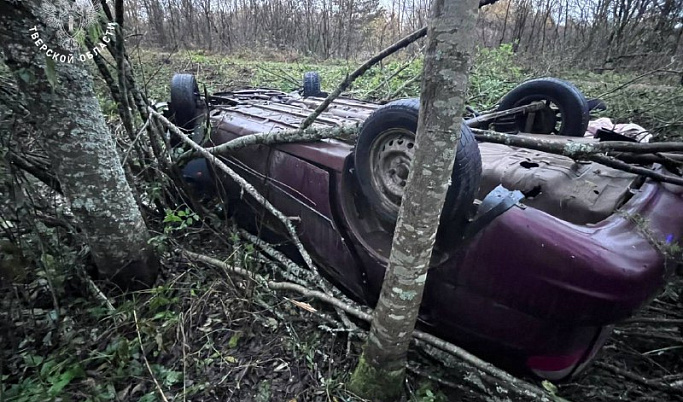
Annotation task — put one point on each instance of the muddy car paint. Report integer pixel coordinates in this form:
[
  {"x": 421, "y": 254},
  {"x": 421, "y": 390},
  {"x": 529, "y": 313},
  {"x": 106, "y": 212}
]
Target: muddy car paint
[{"x": 528, "y": 291}]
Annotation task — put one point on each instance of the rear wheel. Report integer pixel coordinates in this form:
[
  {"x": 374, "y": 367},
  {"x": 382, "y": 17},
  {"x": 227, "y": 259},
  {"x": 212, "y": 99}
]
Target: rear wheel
[
  {"x": 384, "y": 154},
  {"x": 312, "y": 84},
  {"x": 565, "y": 112}
]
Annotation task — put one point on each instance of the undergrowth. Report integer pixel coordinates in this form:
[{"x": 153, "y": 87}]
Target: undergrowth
[{"x": 202, "y": 335}]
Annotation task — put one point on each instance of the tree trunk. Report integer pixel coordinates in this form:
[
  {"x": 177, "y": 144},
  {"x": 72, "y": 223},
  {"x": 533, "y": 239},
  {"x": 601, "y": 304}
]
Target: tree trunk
[
  {"x": 381, "y": 369},
  {"x": 80, "y": 146}
]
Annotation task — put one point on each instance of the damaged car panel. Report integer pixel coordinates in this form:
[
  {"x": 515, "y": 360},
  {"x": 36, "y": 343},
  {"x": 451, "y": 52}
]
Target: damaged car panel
[{"x": 532, "y": 285}]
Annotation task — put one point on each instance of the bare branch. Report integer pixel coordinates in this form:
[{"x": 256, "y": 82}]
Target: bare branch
[
  {"x": 602, "y": 152},
  {"x": 360, "y": 71},
  {"x": 513, "y": 384},
  {"x": 244, "y": 184},
  {"x": 285, "y": 136}
]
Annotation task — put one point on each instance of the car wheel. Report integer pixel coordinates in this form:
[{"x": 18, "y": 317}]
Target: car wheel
[
  {"x": 565, "y": 113},
  {"x": 311, "y": 84},
  {"x": 185, "y": 104},
  {"x": 384, "y": 153},
  {"x": 186, "y": 108}
]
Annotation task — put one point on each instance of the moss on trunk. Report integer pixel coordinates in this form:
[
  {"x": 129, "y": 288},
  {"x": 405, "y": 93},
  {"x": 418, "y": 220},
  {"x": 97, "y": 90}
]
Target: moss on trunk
[{"x": 376, "y": 384}]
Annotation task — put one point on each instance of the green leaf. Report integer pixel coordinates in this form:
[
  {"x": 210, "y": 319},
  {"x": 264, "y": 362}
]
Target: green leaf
[
  {"x": 32, "y": 360},
  {"x": 232, "y": 343},
  {"x": 25, "y": 75},
  {"x": 95, "y": 32},
  {"x": 172, "y": 218}
]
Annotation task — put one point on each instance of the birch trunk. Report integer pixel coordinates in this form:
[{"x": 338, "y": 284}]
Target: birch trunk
[
  {"x": 80, "y": 147},
  {"x": 381, "y": 370}
]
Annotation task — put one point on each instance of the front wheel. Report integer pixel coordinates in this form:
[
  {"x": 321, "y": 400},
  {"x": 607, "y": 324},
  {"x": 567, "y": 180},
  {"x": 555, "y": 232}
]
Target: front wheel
[
  {"x": 384, "y": 154},
  {"x": 186, "y": 107}
]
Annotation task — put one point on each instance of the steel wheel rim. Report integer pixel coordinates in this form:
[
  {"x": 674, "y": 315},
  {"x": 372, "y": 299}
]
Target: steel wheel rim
[{"x": 391, "y": 156}]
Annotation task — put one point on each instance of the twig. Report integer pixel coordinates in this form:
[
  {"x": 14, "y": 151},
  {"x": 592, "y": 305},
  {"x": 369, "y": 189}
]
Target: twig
[
  {"x": 287, "y": 78},
  {"x": 402, "y": 87},
  {"x": 244, "y": 184},
  {"x": 639, "y": 379},
  {"x": 297, "y": 273},
  {"x": 290, "y": 265},
  {"x": 617, "y": 164},
  {"x": 577, "y": 149},
  {"x": 135, "y": 140},
  {"x": 438, "y": 380},
  {"x": 395, "y": 73},
  {"x": 360, "y": 71},
  {"x": 510, "y": 382},
  {"x": 629, "y": 82},
  {"x": 98, "y": 293},
  {"x": 144, "y": 357},
  {"x": 654, "y": 320}
]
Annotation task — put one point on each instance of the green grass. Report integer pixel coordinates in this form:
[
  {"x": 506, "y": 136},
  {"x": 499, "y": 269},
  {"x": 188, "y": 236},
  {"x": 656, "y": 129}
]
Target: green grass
[{"x": 653, "y": 101}]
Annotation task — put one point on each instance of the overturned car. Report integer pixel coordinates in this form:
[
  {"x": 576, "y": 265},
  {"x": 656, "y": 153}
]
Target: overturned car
[{"x": 537, "y": 255}]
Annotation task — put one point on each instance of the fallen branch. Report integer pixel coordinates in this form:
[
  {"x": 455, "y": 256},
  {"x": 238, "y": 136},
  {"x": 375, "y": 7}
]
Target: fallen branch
[
  {"x": 511, "y": 383},
  {"x": 144, "y": 357},
  {"x": 576, "y": 149},
  {"x": 597, "y": 152},
  {"x": 244, "y": 184},
  {"x": 298, "y": 275},
  {"x": 394, "y": 74},
  {"x": 285, "y": 136},
  {"x": 360, "y": 71},
  {"x": 653, "y": 383},
  {"x": 483, "y": 118},
  {"x": 620, "y": 165}
]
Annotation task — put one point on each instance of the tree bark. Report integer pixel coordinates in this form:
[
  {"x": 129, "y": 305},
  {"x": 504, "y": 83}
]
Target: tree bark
[
  {"x": 381, "y": 369},
  {"x": 80, "y": 146}
]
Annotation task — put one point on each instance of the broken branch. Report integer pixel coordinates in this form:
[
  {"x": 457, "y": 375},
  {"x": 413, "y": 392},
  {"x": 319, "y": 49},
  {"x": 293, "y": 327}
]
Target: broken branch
[
  {"x": 285, "y": 136},
  {"x": 244, "y": 184},
  {"x": 513, "y": 384},
  {"x": 603, "y": 152}
]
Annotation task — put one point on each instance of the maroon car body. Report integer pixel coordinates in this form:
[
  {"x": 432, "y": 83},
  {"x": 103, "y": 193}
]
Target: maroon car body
[{"x": 526, "y": 289}]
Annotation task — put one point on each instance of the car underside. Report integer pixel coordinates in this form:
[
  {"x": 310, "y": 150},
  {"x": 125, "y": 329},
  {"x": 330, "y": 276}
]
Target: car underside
[{"x": 537, "y": 255}]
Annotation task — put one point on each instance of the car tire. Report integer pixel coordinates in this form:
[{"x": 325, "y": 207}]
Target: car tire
[
  {"x": 185, "y": 101},
  {"x": 385, "y": 142},
  {"x": 566, "y": 113},
  {"x": 311, "y": 84}
]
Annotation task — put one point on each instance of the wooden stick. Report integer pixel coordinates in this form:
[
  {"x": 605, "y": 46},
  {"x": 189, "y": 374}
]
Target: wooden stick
[{"x": 144, "y": 357}]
